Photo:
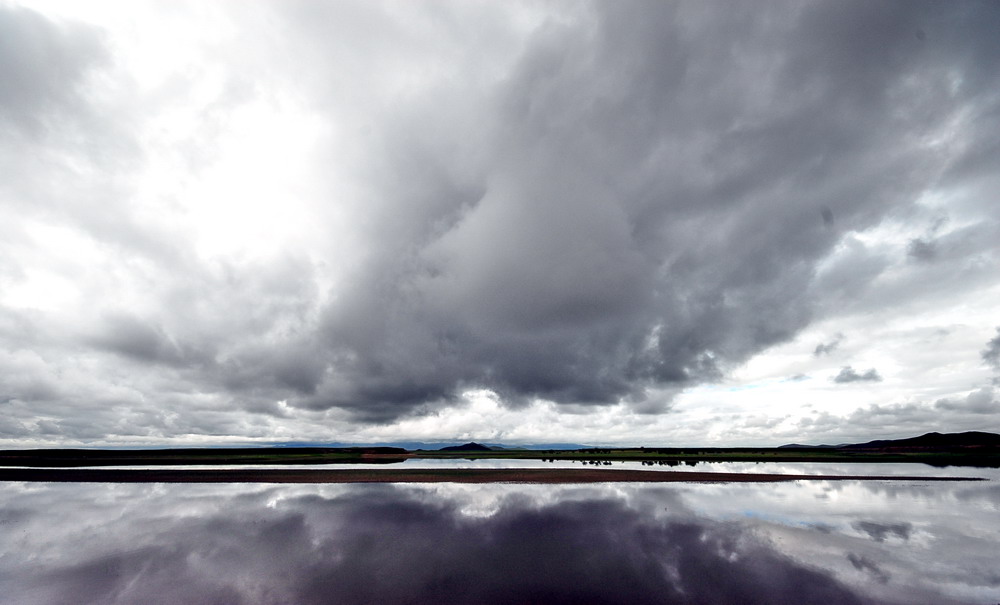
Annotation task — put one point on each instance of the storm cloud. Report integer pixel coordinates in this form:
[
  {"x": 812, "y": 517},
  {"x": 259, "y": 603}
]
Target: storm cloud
[
  {"x": 982, "y": 401},
  {"x": 637, "y": 222},
  {"x": 363, "y": 211},
  {"x": 991, "y": 354},
  {"x": 827, "y": 348},
  {"x": 849, "y": 374}
]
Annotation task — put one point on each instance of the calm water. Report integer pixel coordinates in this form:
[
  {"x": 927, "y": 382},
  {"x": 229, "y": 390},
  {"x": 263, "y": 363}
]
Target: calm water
[
  {"x": 802, "y": 542},
  {"x": 798, "y": 468}
]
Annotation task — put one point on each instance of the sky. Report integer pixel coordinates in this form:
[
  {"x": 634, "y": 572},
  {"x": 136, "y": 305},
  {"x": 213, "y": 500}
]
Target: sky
[{"x": 605, "y": 223}]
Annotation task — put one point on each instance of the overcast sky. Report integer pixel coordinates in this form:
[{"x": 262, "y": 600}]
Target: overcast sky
[{"x": 658, "y": 223}]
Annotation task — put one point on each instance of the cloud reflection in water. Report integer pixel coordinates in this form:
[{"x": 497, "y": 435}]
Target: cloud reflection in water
[{"x": 399, "y": 544}]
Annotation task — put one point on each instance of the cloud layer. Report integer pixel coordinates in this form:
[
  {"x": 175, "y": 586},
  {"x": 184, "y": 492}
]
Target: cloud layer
[
  {"x": 849, "y": 374},
  {"x": 364, "y": 211}
]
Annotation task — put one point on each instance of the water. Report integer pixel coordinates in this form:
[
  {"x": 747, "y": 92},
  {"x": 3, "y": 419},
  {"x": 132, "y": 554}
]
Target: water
[
  {"x": 795, "y": 468},
  {"x": 798, "y": 542}
]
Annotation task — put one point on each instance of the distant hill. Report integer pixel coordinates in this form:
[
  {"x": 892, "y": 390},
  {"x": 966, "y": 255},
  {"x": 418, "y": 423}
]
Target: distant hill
[
  {"x": 928, "y": 441},
  {"x": 969, "y": 439},
  {"x": 467, "y": 447}
]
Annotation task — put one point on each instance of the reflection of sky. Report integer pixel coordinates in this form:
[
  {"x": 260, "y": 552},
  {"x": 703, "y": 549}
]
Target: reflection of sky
[
  {"x": 795, "y": 468},
  {"x": 799, "y": 542}
]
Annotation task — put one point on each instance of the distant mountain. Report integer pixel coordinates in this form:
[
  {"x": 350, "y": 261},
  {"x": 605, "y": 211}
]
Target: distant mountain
[
  {"x": 934, "y": 441},
  {"x": 468, "y": 447},
  {"x": 969, "y": 439}
]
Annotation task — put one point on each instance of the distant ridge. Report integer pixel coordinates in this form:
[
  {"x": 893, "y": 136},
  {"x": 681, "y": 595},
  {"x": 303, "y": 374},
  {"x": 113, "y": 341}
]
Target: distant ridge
[
  {"x": 927, "y": 441},
  {"x": 968, "y": 439},
  {"x": 471, "y": 446}
]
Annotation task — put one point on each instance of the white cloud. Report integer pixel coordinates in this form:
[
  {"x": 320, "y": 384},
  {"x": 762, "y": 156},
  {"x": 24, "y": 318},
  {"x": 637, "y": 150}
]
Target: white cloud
[{"x": 310, "y": 221}]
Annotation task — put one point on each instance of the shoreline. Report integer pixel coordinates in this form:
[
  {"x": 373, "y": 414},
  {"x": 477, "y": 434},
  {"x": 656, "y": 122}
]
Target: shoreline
[{"x": 505, "y": 475}]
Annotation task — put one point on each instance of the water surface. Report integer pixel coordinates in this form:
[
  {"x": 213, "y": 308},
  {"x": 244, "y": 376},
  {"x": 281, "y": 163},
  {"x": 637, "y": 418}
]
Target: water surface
[
  {"x": 792, "y": 468},
  {"x": 799, "y": 542}
]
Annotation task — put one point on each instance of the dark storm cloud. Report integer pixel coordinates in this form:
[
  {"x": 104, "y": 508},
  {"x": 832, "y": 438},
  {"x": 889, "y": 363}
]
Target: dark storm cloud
[
  {"x": 848, "y": 374},
  {"x": 982, "y": 401},
  {"x": 386, "y": 546},
  {"x": 827, "y": 215},
  {"x": 132, "y": 337},
  {"x": 991, "y": 354},
  {"x": 922, "y": 250},
  {"x": 826, "y": 348},
  {"x": 659, "y": 184},
  {"x": 638, "y": 196},
  {"x": 955, "y": 247}
]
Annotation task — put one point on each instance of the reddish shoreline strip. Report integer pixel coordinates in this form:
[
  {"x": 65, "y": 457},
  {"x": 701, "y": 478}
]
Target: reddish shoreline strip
[{"x": 466, "y": 475}]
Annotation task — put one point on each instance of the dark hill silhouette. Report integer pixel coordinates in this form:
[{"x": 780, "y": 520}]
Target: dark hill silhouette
[
  {"x": 932, "y": 441},
  {"x": 927, "y": 442},
  {"x": 468, "y": 447}
]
